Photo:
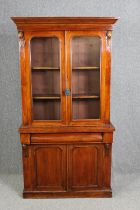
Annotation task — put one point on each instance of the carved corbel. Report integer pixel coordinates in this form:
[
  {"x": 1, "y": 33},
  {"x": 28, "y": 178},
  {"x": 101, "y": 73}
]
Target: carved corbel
[
  {"x": 25, "y": 150},
  {"x": 21, "y": 39},
  {"x": 107, "y": 149},
  {"x": 25, "y": 138},
  {"x": 108, "y": 37}
]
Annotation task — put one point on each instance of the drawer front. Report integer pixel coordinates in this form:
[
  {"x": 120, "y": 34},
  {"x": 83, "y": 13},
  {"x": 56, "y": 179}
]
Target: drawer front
[{"x": 66, "y": 138}]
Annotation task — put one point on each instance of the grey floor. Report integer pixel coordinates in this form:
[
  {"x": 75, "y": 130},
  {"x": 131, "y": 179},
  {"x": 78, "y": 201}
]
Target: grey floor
[{"x": 126, "y": 196}]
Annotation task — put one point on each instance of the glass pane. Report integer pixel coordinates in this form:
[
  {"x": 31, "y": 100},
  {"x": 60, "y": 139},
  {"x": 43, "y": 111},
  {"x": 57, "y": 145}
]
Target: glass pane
[
  {"x": 45, "y": 63},
  {"x": 86, "y": 77}
]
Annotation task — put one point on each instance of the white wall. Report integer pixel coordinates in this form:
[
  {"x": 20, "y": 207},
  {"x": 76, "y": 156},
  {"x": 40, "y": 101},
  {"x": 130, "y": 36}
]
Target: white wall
[{"x": 125, "y": 97}]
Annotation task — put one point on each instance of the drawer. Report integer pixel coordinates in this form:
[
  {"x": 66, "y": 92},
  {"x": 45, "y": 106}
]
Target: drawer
[{"x": 66, "y": 138}]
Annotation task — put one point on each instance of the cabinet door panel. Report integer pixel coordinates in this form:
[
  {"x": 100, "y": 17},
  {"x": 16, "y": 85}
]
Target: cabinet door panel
[
  {"x": 50, "y": 167},
  {"x": 85, "y": 167}
]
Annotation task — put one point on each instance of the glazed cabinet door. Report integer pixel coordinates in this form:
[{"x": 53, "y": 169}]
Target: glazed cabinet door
[
  {"x": 86, "y": 76},
  {"x": 50, "y": 167},
  {"x": 45, "y": 59},
  {"x": 85, "y": 167}
]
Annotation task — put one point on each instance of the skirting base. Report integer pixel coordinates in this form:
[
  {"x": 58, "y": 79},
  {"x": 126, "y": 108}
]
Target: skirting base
[{"x": 91, "y": 194}]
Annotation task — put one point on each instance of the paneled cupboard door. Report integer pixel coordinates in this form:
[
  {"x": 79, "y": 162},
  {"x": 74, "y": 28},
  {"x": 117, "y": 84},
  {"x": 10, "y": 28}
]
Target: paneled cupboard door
[
  {"x": 47, "y": 77},
  {"x": 85, "y": 67},
  {"x": 50, "y": 167},
  {"x": 84, "y": 164}
]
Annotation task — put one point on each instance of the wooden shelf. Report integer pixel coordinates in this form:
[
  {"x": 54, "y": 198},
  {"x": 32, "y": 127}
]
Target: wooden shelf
[
  {"x": 46, "y": 97},
  {"x": 54, "y": 97},
  {"x": 45, "y": 68},
  {"x": 86, "y": 68},
  {"x": 85, "y": 96}
]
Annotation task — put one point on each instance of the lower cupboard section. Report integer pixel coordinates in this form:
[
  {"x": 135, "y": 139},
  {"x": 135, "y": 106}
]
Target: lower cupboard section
[{"x": 65, "y": 170}]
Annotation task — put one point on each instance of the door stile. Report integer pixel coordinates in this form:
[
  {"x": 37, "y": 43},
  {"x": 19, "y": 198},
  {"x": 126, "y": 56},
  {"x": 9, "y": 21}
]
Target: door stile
[
  {"x": 24, "y": 78},
  {"x": 28, "y": 76},
  {"x": 68, "y": 76},
  {"x": 108, "y": 72},
  {"x": 103, "y": 77}
]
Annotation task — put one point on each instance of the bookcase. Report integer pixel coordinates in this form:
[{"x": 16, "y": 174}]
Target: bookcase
[{"x": 66, "y": 133}]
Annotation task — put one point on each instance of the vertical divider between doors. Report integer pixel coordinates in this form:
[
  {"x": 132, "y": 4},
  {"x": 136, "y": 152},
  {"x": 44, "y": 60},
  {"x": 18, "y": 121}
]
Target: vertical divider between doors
[
  {"x": 62, "y": 80},
  {"x": 67, "y": 76}
]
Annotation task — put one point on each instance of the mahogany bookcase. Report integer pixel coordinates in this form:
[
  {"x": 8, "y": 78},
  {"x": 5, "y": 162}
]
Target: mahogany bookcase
[{"x": 66, "y": 133}]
